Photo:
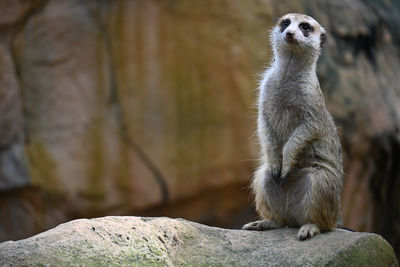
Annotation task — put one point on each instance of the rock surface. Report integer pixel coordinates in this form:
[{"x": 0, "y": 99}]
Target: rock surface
[
  {"x": 128, "y": 107},
  {"x": 142, "y": 241}
]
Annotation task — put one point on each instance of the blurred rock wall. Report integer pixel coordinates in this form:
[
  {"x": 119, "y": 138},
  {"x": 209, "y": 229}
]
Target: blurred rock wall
[{"x": 147, "y": 107}]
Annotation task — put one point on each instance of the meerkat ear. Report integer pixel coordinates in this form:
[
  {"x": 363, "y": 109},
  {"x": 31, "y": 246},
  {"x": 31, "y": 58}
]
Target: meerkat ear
[{"x": 322, "y": 39}]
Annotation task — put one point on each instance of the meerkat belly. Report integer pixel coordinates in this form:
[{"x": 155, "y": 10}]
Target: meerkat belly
[
  {"x": 288, "y": 119},
  {"x": 286, "y": 200}
]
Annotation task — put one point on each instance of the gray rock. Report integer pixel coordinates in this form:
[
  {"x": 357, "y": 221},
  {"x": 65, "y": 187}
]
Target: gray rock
[{"x": 142, "y": 241}]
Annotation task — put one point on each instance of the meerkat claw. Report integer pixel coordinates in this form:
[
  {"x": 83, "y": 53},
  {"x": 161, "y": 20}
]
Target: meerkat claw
[
  {"x": 262, "y": 225},
  {"x": 307, "y": 231}
]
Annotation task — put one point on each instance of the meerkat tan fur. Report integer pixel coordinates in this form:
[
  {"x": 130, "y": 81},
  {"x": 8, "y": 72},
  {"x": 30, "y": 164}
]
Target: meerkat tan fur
[{"x": 299, "y": 180}]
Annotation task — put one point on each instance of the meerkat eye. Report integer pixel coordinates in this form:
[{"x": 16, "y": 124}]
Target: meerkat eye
[
  {"x": 284, "y": 24},
  {"x": 306, "y": 27}
]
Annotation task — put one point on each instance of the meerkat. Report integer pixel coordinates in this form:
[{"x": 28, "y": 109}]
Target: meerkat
[{"x": 299, "y": 180}]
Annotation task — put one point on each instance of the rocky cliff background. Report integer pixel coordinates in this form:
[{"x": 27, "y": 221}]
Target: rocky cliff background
[{"x": 146, "y": 107}]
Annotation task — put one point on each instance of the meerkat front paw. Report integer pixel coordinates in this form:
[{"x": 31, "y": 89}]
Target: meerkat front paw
[
  {"x": 262, "y": 225},
  {"x": 307, "y": 231},
  {"x": 286, "y": 166}
]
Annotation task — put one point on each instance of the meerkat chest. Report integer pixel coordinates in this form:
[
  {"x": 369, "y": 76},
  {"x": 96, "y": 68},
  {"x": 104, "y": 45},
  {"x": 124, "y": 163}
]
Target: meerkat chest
[{"x": 283, "y": 107}]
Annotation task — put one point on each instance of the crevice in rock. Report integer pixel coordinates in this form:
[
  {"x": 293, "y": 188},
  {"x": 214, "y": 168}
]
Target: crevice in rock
[
  {"x": 14, "y": 171},
  {"x": 114, "y": 101},
  {"x": 384, "y": 185},
  {"x": 387, "y": 12},
  {"x": 20, "y": 25},
  {"x": 365, "y": 43}
]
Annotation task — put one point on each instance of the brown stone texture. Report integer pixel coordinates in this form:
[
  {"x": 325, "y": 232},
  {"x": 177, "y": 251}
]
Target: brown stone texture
[{"x": 147, "y": 107}]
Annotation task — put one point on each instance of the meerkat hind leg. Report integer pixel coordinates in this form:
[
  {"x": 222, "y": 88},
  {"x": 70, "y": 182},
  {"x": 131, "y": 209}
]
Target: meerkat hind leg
[
  {"x": 262, "y": 225},
  {"x": 307, "y": 231}
]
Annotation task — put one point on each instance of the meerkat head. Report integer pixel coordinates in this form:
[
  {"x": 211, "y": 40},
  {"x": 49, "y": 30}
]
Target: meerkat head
[{"x": 298, "y": 33}]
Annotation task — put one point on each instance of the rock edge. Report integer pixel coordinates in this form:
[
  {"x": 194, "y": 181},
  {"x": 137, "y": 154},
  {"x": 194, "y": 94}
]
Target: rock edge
[{"x": 138, "y": 241}]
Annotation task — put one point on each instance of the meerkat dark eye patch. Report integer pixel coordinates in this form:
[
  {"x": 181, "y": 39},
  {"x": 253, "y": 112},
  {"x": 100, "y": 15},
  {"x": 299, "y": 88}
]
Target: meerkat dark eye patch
[
  {"x": 306, "y": 28},
  {"x": 284, "y": 24}
]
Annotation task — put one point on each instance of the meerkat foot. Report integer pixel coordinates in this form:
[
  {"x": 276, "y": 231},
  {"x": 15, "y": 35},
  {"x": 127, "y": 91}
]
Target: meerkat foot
[
  {"x": 262, "y": 225},
  {"x": 307, "y": 231}
]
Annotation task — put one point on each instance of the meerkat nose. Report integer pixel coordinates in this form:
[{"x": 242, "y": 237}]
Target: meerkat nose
[{"x": 289, "y": 35}]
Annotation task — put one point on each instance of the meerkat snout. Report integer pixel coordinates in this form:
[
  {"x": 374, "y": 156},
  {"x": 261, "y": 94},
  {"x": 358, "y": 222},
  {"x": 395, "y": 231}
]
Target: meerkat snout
[{"x": 289, "y": 35}]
